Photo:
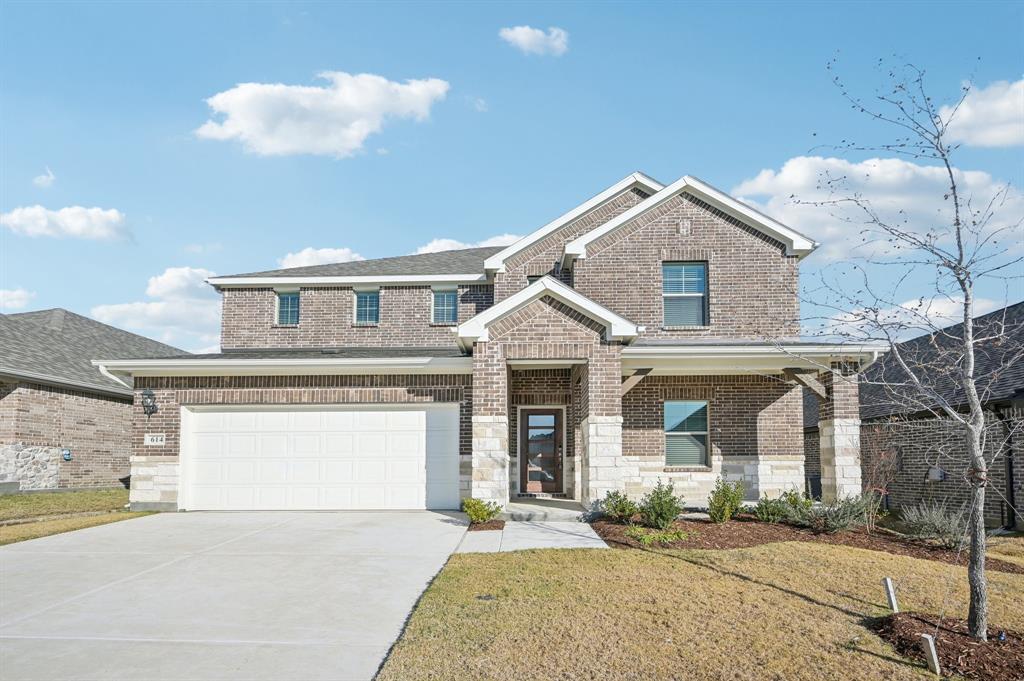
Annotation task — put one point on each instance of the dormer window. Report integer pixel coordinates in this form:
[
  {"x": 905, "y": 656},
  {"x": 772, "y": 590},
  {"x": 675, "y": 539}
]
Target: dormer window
[
  {"x": 287, "y": 308},
  {"x": 367, "y": 308},
  {"x": 684, "y": 292}
]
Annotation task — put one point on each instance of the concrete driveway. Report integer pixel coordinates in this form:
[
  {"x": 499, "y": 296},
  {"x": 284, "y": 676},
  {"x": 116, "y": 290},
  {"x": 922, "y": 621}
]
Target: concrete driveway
[{"x": 218, "y": 595}]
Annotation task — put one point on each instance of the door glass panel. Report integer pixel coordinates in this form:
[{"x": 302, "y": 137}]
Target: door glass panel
[{"x": 541, "y": 420}]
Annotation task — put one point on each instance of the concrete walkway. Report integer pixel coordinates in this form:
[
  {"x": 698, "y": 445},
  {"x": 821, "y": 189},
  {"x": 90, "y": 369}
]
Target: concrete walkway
[
  {"x": 532, "y": 535},
  {"x": 205, "y": 596}
]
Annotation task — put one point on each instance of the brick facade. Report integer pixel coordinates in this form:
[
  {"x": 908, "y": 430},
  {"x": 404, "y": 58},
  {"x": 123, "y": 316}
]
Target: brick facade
[
  {"x": 326, "y": 318},
  {"x": 94, "y": 427}
]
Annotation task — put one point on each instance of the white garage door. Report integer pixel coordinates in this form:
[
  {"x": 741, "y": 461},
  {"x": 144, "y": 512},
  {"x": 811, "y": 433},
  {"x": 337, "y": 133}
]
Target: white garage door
[{"x": 324, "y": 458}]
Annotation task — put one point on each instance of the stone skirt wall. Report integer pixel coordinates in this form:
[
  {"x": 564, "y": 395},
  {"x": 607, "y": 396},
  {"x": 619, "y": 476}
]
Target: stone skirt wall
[{"x": 31, "y": 466}]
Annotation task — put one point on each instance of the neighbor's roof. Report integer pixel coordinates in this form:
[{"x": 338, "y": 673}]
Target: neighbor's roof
[
  {"x": 57, "y": 347},
  {"x": 999, "y": 368},
  {"x": 464, "y": 261}
]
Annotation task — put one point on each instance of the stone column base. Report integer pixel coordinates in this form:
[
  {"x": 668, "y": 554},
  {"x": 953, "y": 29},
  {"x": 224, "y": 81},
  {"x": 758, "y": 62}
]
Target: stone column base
[
  {"x": 490, "y": 459},
  {"x": 840, "y": 459},
  {"x": 154, "y": 483},
  {"x": 602, "y": 457}
]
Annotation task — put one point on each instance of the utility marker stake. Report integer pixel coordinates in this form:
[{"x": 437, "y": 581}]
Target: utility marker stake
[
  {"x": 890, "y": 593},
  {"x": 928, "y": 643}
]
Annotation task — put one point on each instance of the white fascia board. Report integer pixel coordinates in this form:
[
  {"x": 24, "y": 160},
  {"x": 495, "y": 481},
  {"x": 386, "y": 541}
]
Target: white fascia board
[
  {"x": 286, "y": 367},
  {"x": 496, "y": 263},
  {"x": 616, "y": 326},
  {"x": 369, "y": 280},
  {"x": 796, "y": 243}
]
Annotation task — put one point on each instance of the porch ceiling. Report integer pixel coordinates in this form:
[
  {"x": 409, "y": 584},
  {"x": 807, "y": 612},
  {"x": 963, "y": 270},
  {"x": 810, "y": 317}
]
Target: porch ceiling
[{"x": 724, "y": 358}]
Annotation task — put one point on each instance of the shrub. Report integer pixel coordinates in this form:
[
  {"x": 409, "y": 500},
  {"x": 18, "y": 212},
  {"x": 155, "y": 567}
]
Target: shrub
[
  {"x": 838, "y": 516},
  {"x": 660, "y": 507},
  {"x": 650, "y": 537},
  {"x": 480, "y": 511},
  {"x": 797, "y": 501},
  {"x": 771, "y": 510},
  {"x": 932, "y": 520},
  {"x": 617, "y": 506},
  {"x": 725, "y": 500}
]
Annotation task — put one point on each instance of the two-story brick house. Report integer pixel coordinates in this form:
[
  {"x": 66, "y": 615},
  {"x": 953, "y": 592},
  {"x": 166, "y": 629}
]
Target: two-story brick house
[{"x": 649, "y": 333}]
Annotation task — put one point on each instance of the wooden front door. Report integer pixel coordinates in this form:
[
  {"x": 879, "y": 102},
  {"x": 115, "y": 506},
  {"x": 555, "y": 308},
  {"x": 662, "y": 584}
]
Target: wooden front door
[{"x": 540, "y": 451}]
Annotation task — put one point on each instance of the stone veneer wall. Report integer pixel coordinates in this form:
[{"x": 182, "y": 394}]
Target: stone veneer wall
[
  {"x": 37, "y": 421},
  {"x": 326, "y": 318},
  {"x": 174, "y": 392},
  {"x": 839, "y": 430},
  {"x": 755, "y": 435}
]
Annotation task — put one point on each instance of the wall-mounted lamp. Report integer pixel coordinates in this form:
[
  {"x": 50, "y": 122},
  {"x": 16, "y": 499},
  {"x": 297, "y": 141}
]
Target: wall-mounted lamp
[{"x": 148, "y": 402}]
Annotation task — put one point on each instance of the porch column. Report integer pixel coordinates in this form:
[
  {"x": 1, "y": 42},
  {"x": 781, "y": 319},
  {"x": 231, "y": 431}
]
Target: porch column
[
  {"x": 601, "y": 426},
  {"x": 839, "y": 430},
  {"x": 490, "y": 425}
]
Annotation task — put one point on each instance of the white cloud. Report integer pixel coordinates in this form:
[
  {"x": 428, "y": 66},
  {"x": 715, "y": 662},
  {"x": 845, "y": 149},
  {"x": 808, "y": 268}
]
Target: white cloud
[
  {"x": 73, "y": 221},
  {"x": 989, "y": 117},
  {"x": 273, "y": 119},
  {"x": 452, "y": 245},
  {"x": 531, "y": 40},
  {"x": 318, "y": 256},
  {"x": 15, "y": 298},
  {"x": 478, "y": 103},
  {"x": 46, "y": 180},
  {"x": 184, "y": 310},
  {"x": 890, "y": 185}
]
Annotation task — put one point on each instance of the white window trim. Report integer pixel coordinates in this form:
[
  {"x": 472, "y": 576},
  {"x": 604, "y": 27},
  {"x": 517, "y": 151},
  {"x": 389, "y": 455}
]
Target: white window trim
[
  {"x": 355, "y": 306},
  {"x": 277, "y": 305},
  {"x": 443, "y": 289},
  {"x": 706, "y": 313},
  {"x": 705, "y": 433}
]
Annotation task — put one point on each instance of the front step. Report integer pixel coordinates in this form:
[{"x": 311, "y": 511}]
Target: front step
[{"x": 549, "y": 510}]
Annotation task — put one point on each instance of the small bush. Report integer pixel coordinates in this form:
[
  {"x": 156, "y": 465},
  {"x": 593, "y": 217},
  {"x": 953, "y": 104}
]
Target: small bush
[
  {"x": 797, "y": 501},
  {"x": 660, "y": 507},
  {"x": 651, "y": 537},
  {"x": 932, "y": 520},
  {"x": 771, "y": 510},
  {"x": 838, "y": 516},
  {"x": 480, "y": 511},
  {"x": 725, "y": 500},
  {"x": 620, "y": 508}
]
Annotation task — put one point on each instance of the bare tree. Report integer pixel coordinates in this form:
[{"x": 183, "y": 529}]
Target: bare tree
[{"x": 943, "y": 260}]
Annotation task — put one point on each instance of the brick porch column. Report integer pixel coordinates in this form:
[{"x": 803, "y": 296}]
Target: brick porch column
[
  {"x": 839, "y": 430},
  {"x": 490, "y": 425},
  {"x": 601, "y": 426}
]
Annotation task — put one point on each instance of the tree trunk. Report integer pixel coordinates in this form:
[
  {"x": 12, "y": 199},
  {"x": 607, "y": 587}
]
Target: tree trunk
[{"x": 977, "y": 616}]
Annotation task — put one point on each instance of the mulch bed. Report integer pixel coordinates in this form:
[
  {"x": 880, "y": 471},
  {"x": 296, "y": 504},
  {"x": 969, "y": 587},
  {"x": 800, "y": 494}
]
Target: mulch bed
[
  {"x": 958, "y": 652},
  {"x": 746, "y": 531},
  {"x": 489, "y": 525}
]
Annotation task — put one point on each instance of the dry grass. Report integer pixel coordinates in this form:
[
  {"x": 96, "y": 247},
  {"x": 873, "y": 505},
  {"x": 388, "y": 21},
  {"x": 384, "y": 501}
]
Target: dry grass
[
  {"x": 1008, "y": 548},
  {"x": 15, "y": 533},
  {"x": 32, "y": 505},
  {"x": 777, "y": 611}
]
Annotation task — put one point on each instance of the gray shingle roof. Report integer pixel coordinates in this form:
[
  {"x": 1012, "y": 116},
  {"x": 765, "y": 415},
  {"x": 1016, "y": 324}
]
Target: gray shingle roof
[
  {"x": 328, "y": 353},
  {"x": 58, "y": 346},
  {"x": 465, "y": 261},
  {"x": 999, "y": 368}
]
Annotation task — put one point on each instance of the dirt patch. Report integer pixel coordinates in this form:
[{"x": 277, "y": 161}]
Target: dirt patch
[
  {"x": 745, "y": 531},
  {"x": 997, "y": 660},
  {"x": 489, "y": 525}
]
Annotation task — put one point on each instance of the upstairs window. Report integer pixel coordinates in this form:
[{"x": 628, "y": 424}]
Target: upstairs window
[
  {"x": 684, "y": 291},
  {"x": 288, "y": 308},
  {"x": 686, "y": 433},
  {"x": 533, "y": 277},
  {"x": 446, "y": 307},
  {"x": 367, "y": 307}
]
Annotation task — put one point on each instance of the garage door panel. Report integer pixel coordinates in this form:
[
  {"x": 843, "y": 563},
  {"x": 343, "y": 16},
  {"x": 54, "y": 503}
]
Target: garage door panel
[{"x": 372, "y": 457}]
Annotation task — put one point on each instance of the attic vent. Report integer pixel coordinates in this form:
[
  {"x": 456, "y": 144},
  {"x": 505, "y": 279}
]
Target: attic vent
[
  {"x": 684, "y": 228},
  {"x": 56, "y": 321}
]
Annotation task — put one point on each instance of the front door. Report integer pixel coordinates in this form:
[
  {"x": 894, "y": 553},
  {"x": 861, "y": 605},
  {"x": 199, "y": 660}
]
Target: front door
[{"x": 540, "y": 451}]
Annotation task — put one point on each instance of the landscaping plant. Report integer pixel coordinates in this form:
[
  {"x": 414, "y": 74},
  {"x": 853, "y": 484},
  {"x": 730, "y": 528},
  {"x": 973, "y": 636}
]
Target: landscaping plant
[
  {"x": 837, "y": 516},
  {"x": 620, "y": 508},
  {"x": 648, "y": 537},
  {"x": 480, "y": 511},
  {"x": 660, "y": 507},
  {"x": 932, "y": 520},
  {"x": 771, "y": 510},
  {"x": 725, "y": 500}
]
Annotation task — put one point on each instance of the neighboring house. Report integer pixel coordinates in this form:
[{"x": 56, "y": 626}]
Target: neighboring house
[
  {"x": 650, "y": 333},
  {"x": 917, "y": 456},
  {"x": 63, "y": 423}
]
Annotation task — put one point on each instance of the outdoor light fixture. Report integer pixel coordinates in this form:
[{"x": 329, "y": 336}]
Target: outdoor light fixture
[{"x": 148, "y": 402}]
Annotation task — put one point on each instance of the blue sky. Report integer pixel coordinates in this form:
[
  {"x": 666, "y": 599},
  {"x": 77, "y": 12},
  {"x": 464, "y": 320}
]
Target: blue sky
[{"x": 109, "y": 97}]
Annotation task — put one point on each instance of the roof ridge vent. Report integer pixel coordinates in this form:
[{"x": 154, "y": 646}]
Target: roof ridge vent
[{"x": 56, "y": 321}]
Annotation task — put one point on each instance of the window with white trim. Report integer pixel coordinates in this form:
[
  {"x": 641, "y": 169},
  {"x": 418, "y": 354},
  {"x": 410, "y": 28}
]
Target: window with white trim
[
  {"x": 686, "y": 433},
  {"x": 684, "y": 292},
  {"x": 288, "y": 308},
  {"x": 446, "y": 307},
  {"x": 367, "y": 307}
]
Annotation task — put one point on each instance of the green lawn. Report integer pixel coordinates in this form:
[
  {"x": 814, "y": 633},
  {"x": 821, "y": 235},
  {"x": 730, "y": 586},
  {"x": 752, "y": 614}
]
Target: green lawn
[
  {"x": 776, "y": 611},
  {"x": 33, "y": 505},
  {"x": 54, "y": 511}
]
